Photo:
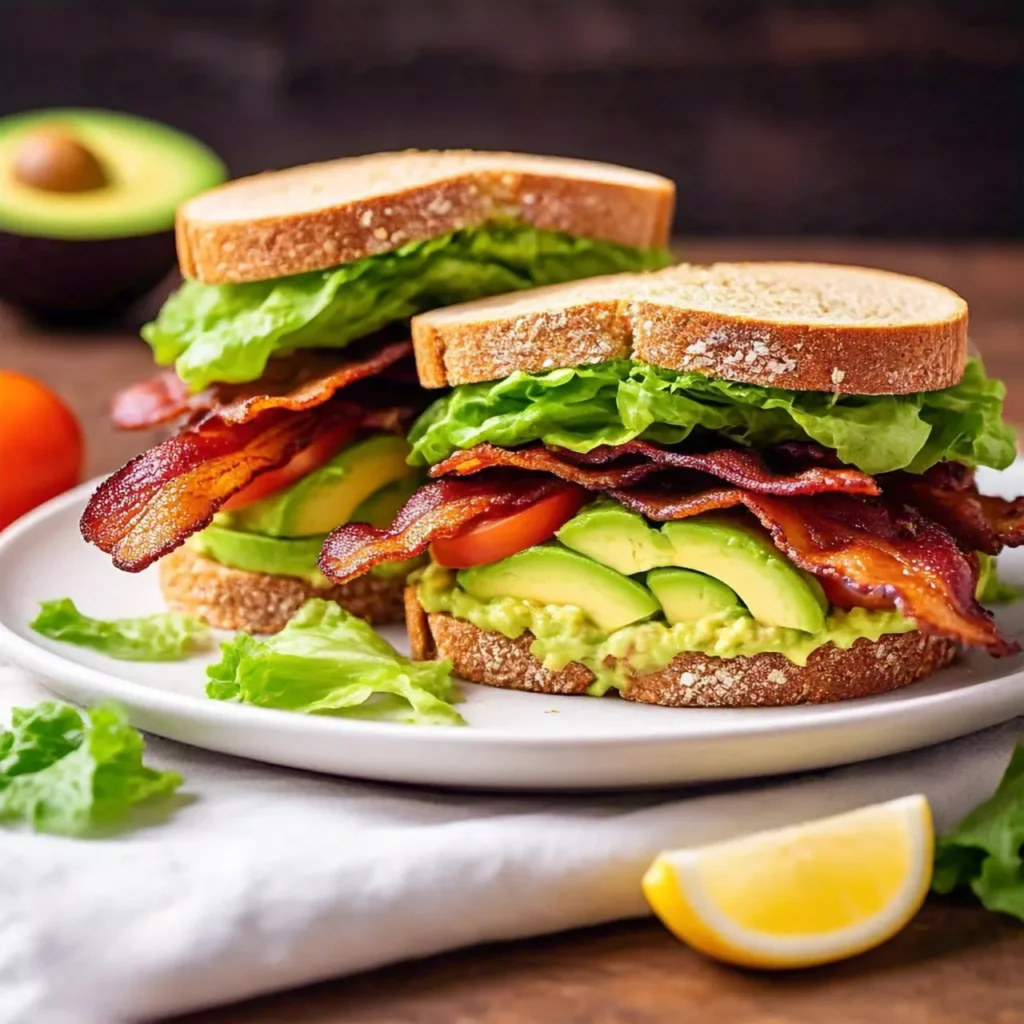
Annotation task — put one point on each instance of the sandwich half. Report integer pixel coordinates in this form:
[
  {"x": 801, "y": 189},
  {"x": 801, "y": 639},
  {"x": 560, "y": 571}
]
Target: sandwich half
[
  {"x": 735, "y": 485},
  {"x": 290, "y": 379}
]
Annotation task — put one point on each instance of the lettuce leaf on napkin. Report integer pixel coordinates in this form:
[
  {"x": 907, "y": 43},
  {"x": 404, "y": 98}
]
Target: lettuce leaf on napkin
[
  {"x": 166, "y": 636},
  {"x": 582, "y": 407},
  {"x": 227, "y": 332},
  {"x": 68, "y": 771},
  {"x": 326, "y": 661}
]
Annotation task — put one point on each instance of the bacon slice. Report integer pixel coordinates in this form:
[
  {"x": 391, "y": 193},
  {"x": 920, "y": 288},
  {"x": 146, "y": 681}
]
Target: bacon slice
[
  {"x": 158, "y": 400},
  {"x": 152, "y": 504},
  {"x": 948, "y": 495},
  {"x": 439, "y": 509},
  {"x": 301, "y": 381},
  {"x": 623, "y": 465},
  {"x": 877, "y": 544}
]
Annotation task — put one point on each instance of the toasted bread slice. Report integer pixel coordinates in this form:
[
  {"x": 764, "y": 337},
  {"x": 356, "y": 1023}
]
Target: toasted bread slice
[
  {"x": 323, "y": 215},
  {"x": 804, "y": 326},
  {"x": 260, "y": 603},
  {"x": 689, "y": 680}
]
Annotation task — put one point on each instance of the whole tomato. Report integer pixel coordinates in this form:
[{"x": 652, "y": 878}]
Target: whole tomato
[{"x": 41, "y": 450}]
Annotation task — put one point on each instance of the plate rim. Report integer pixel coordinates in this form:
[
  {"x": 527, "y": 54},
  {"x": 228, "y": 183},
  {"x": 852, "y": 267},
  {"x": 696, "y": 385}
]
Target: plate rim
[{"x": 51, "y": 665}]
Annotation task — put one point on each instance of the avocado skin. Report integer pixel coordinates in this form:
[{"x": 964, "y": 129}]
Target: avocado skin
[{"x": 63, "y": 278}]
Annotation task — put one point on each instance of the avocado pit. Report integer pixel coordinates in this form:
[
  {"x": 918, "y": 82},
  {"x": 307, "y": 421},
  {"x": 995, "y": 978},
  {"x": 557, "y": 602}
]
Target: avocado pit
[
  {"x": 53, "y": 160},
  {"x": 87, "y": 201}
]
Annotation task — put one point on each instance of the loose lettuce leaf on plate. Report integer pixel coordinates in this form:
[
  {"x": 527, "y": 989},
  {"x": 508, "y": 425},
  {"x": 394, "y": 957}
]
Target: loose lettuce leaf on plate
[
  {"x": 166, "y": 636},
  {"x": 326, "y": 661},
  {"x": 983, "y": 852},
  {"x": 69, "y": 772},
  {"x": 228, "y": 332},
  {"x": 582, "y": 407}
]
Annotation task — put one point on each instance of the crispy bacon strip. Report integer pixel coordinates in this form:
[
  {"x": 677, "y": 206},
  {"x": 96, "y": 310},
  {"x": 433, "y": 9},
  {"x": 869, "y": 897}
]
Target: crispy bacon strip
[
  {"x": 878, "y": 545},
  {"x": 301, "y": 381},
  {"x": 947, "y": 494},
  {"x": 156, "y": 501},
  {"x": 623, "y": 465},
  {"x": 439, "y": 509},
  {"x": 151, "y": 402}
]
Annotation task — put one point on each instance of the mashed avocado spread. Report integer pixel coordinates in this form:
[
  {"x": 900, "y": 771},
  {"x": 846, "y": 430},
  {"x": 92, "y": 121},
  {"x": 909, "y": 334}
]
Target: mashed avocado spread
[{"x": 564, "y": 633}]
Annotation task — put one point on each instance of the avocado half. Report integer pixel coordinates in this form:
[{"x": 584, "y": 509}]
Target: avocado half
[{"x": 87, "y": 201}]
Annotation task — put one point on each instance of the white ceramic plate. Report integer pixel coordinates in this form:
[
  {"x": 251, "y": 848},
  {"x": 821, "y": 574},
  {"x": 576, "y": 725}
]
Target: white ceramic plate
[{"x": 515, "y": 740}]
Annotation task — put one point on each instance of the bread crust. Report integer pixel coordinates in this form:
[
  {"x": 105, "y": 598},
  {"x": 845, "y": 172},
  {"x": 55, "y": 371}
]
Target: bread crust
[
  {"x": 322, "y": 215},
  {"x": 229, "y": 598},
  {"x": 802, "y": 326},
  {"x": 689, "y": 680}
]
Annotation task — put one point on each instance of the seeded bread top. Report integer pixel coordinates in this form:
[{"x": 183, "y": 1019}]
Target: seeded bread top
[
  {"x": 802, "y": 326},
  {"x": 323, "y": 215}
]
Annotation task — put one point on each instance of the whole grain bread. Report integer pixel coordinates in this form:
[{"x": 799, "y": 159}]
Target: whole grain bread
[
  {"x": 690, "y": 679},
  {"x": 803, "y": 326},
  {"x": 322, "y": 215},
  {"x": 229, "y": 598}
]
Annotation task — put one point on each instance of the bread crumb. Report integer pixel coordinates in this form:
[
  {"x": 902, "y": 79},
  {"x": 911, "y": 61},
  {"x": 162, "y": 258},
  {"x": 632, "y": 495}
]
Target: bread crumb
[{"x": 838, "y": 375}]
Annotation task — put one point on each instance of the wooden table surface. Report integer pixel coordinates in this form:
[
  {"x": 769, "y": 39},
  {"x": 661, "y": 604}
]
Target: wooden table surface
[{"x": 955, "y": 963}]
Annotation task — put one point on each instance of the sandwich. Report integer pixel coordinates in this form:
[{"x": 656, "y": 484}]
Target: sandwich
[
  {"x": 734, "y": 485},
  {"x": 290, "y": 382}
]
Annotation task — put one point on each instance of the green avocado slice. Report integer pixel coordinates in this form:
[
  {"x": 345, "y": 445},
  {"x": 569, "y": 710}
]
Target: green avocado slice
[
  {"x": 330, "y": 495},
  {"x": 551, "y": 574},
  {"x": 252, "y": 552},
  {"x": 150, "y": 168},
  {"x": 741, "y": 556},
  {"x": 687, "y": 596}
]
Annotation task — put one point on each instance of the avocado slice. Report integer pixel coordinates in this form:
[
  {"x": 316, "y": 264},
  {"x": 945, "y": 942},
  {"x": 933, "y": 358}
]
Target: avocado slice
[
  {"x": 381, "y": 507},
  {"x": 330, "y": 495},
  {"x": 611, "y": 534},
  {"x": 551, "y": 574},
  {"x": 87, "y": 201},
  {"x": 740, "y": 555},
  {"x": 686, "y": 596},
  {"x": 254, "y": 553}
]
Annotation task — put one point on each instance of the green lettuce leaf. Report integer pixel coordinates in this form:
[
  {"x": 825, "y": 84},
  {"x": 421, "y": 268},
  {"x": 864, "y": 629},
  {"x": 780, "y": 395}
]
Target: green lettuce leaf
[
  {"x": 582, "y": 407},
  {"x": 166, "y": 636},
  {"x": 326, "y": 661},
  {"x": 67, "y": 771},
  {"x": 228, "y": 332},
  {"x": 991, "y": 589},
  {"x": 983, "y": 853}
]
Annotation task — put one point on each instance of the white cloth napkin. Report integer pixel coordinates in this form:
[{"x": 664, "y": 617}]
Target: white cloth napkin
[{"x": 269, "y": 878}]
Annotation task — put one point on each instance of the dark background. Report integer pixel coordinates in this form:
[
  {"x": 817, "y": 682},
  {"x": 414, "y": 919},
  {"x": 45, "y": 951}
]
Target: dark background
[{"x": 895, "y": 118}]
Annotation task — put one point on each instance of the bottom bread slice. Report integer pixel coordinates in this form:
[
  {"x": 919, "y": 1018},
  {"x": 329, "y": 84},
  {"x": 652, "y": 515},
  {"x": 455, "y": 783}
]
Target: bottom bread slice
[
  {"x": 261, "y": 603},
  {"x": 690, "y": 679}
]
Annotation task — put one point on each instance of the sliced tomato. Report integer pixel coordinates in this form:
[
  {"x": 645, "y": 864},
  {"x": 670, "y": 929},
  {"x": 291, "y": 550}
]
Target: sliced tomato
[
  {"x": 845, "y": 595},
  {"x": 490, "y": 540},
  {"x": 313, "y": 457}
]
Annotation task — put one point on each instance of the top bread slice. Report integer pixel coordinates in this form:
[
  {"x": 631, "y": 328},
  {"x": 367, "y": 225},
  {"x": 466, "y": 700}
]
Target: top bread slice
[
  {"x": 802, "y": 326},
  {"x": 322, "y": 215}
]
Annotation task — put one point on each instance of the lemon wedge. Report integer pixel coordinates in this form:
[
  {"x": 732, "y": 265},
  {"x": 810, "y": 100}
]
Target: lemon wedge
[{"x": 803, "y": 895}]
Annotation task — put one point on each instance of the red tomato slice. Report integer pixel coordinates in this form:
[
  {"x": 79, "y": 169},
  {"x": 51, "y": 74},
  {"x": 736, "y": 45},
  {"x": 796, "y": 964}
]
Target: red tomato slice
[
  {"x": 490, "y": 540},
  {"x": 845, "y": 595},
  {"x": 313, "y": 457}
]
